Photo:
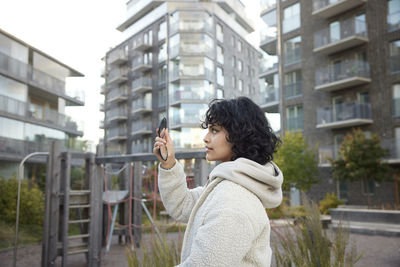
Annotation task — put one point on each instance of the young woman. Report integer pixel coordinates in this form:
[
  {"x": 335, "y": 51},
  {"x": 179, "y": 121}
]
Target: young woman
[{"x": 227, "y": 224}]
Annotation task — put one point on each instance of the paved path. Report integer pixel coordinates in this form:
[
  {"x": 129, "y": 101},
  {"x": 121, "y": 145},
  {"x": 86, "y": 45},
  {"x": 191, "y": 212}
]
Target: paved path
[{"x": 380, "y": 251}]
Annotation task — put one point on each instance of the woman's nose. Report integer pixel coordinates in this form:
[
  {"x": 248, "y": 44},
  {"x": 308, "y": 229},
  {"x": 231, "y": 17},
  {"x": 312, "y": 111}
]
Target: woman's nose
[{"x": 205, "y": 139}]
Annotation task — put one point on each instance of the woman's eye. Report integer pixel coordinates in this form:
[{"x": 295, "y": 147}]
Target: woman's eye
[{"x": 214, "y": 131}]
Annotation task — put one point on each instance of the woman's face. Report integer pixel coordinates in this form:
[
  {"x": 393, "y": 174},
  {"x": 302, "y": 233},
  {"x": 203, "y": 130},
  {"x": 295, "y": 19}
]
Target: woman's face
[{"x": 217, "y": 146}]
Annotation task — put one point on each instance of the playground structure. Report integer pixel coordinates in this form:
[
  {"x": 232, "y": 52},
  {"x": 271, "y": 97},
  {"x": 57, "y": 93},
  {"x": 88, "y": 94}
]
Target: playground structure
[{"x": 92, "y": 204}]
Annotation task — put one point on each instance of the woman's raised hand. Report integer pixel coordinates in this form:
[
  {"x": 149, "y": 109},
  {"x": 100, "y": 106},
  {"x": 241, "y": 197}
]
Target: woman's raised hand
[{"x": 165, "y": 141}]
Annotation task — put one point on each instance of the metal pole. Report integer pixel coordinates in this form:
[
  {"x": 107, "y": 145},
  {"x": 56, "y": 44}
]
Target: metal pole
[{"x": 20, "y": 177}]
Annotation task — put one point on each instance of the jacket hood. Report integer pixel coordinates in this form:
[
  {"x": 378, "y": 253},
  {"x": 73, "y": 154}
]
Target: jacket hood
[{"x": 264, "y": 181}]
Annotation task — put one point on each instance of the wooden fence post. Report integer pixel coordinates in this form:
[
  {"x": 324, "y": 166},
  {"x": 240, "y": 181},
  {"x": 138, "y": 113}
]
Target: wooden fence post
[
  {"x": 200, "y": 172},
  {"x": 137, "y": 205}
]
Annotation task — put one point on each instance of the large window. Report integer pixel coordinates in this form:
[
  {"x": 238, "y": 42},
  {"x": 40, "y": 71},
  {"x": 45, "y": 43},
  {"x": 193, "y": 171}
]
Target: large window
[
  {"x": 292, "y": 51},
  {"x": 220, "y": 54},
  {"x": 192, "y": 66},
  {"x": 191, "y": 90},
  {"x": 394, "y": 49},
  {"x": 293, "y": 84},
  {"x": 13, "y": 89},
  {"x": 191, "y": 44},
  {"x": 162, "y": 53},
  {"x": 291, "y": 18},
  {"x": 220, "y": 76},
  {"x": 13, "y": 49},
  {"x": 162, "y": 31},
  {"x": 220, "y": 33},
  {"x": 294, "y": 118},
  {"x": 396, "y": 100},
  {"x": 393, "y": 17}
]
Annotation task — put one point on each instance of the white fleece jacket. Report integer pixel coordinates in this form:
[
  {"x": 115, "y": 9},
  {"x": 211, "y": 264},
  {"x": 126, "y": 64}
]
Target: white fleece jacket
[{"x": 226, "y": 220}]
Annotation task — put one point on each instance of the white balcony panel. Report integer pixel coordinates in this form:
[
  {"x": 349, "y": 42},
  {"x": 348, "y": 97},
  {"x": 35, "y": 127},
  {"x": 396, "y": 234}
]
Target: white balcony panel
[
  {"x": 329, "y": 10},
  {"x": 345, "y": 83}
]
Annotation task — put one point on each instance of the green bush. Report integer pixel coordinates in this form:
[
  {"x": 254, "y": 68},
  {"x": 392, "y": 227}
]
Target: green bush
[
  {"x": 330, "y": 201},
  {"x": 306, "y": 243},
  {"x": 31, "y": 202}
]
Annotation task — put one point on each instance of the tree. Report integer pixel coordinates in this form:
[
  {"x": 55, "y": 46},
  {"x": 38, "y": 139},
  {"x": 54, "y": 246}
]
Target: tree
[
  {"x": 297, "y": 162},
  {"x": 360, "y": 159}
]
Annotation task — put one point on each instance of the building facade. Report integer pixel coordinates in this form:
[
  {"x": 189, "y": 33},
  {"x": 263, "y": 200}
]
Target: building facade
[
  {"x": 177, "y": 55},
  {"x": 330, "y": 66},
  {"x": 32, "y": 104}
]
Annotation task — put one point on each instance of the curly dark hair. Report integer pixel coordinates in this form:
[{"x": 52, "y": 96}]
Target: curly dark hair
[{"x": 248, "y": 129}]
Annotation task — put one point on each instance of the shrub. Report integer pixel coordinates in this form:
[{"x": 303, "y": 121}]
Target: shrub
[
  {"x": 330, "y": 201},
  {"x": 308, "y": 244},
  {"x": 31, "y": 202}
]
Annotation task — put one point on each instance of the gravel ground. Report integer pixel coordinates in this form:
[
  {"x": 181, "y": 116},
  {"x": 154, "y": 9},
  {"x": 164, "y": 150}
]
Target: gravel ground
[{"x": 380, "y": 251}]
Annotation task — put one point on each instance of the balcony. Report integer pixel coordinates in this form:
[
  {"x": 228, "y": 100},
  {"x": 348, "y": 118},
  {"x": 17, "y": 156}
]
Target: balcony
[
  {"x": 190, "y": 21},
  {"x": 17, "y": 149},
  {"x": 116, "y": 114},
  {"x": 141, "y": 148},
  {"x": 101, "y": 107},
  {"x": 266, "y": 68},
  {"x": 393, "y": 21},
  {"x": 117, "y": 76},
  {"x": 141, "y": 64},
  {"x": 117, "y": 56},
  {"x": 341, "y": 75},
  {"x": 393, "y": 148},
  {"x": 138, "y": 9},
  {"x": 344, "y": 115},
  {"x": 141, "y": 106},
  {"x": 330, "y": 8},
  {"x": 292, "y": 56},
  {"x": 116, "y": 134},
  {"x": 394, "y": 64},
  {"x": 182, "y": 96},
  {"x": 269, "y": 101},
  {"x": 101, "y": 124},
  {"x": 293, "y": 89},
  {"x": 266, "y": 5},
  {"x": 186, "y": 73},
  {"x": 143, "y": 44},
  {"x": 396, "y": 107},
  {"x": 268, "y": 42},
  {"x": 142, "y": 85},
  {"x": 178, "y": 122},
  {"x": 37, "y": 114},
  {"x": 103, "y": 89},
  {"x": 141, "y": 127},
  {"x": 348, "y": 34},
  {"x": 326, "y": 154},
  {"x": 26, "y": 73},
  {"x": 295, "y": 124},
  {"x": 195, "y": 49},
  {"x": 117, "y": 94}
]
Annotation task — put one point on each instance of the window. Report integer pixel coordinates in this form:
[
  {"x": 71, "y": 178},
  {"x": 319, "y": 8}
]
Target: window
[
  {"x": 240, "y": 46},
  {"x": 220, "y": 76},
  {"x": 293, "y": 84},
  {"x": 162, "y": 31},
  {"x": 394, "y": 50},
  {"x": 162, "y": 74},
  {"x": 233, "y": 82},
  {"x": 294, "y": 118},
  {"x": 248, "y": 71},
  {"x": 396, "y": 100},
  {"x": 240, "y": 65},
  {"x": 220, "y": 33},
  {"x": 233, "y": 61},
  {"x": 220, "y": 93},
  {"x": 360, "y": 24},
  {"x": 292, "y": 51},
  {"x": 368, "y": 187},
  {"x": 162, "y": 97},
  {"x": 233, "y": 41},
  {"x": 291, "y": 18},
  {"x": 393, "y": 17},
  {"x": 363, "y": 97},
  {"x": 220, "y": 54},
  {"x": 162, "y": 54},
  {"x": 240, "y": 85}
]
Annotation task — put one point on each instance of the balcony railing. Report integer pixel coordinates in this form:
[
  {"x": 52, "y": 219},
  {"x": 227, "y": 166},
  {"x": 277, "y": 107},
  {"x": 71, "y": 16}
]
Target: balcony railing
[
  {"x": 117, "y": 56},
  {"x": 195, "y": 49},
  {"x": 14, "y": 148},
  {"x": 144, "y": 43},
  {"x": 101, "y": 124},
  {"x": 182, "y": 95},
  {"x": 393, "y": 21},
  {"x": 142, "y": 85},
  {"x": 116, "y": 114},
  {"x": 195, "y": 25},
  {"x": 270, "y": 98},
  {"x": 39, "y": 113},
  {"x": 342, "y": 75},
  {"x": 141, "y": 105},
  {"x": 141, "y": 127},
  {"x": 117, "y": 94},
  {"x": 344, "y": 115},
  {"x": 394, "y": 63},
  {"x": 293, "y": 89},
  {"x": 116, "y": 134},
  {"x": 37, "y": 78},
  {"x": 267, "y": 4},
  {"x": 118, "y": 75},
  {"x": 177, "y": 121},
  {"x": 265, "y": 67},
  {"x": 330, "y": 8},
  {"x": 292, "y": 56},
  {"x": 142, "y": 63},
  {"x": 187, "y": 73},
  {"x": 295, "y": 124},
  {"x": 393, "y": 148},
  {"x": 349, "y": 33},
  {"x": 141, "y": 148}
]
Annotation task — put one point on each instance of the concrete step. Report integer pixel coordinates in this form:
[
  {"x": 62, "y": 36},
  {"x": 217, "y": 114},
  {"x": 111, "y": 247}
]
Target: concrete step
[{"x": 369, "y": 228}]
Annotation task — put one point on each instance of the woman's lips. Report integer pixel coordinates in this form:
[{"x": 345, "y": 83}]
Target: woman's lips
[{"x": 208, "y": 149}]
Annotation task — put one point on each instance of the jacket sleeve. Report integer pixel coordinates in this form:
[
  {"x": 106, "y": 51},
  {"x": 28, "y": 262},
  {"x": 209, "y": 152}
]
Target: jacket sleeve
[
  {"x": 223, "y": 240},
  {"x": 176, "y": 197}
]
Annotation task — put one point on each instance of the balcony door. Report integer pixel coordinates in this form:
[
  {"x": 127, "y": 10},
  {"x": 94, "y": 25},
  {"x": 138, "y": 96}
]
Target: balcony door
[
  {"x": 338, "y": 108},
  {"x": 334, "y": 31}
]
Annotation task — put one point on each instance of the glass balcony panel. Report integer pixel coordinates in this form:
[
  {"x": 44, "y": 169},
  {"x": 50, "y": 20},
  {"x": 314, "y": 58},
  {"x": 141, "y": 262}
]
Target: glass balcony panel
[
  {"x": 396, "y": 107},
  {"x": 353, "y": 27},
  {"x": 330, "y": 8},
  {"x": 120, "y": 93},
  {"x": 293, "y": 89},
  {"x": 344, "y": 112},
  {"x": 293, "y": 56},
  {"x": 116, "y": 113},
  {"x": 117, "y": 75},
  {"x": 191, "y": 90},
  {"x": 191, "y": 21},
  {"x": 142, "y": 62},
  {"x": 271, "y": 95},
  {"x": 187, "y": 114},
  {"x": 141, "y": 126},
  {"x": 116, "y": 133},
  {"x": 192, "y": 44},
  {"x": 142, "y": 84},
  {"x": 394, "y": 63},
  {"x": 12, "y": 106},
  {"x": 192, "y": 67},
  {"x": 142, "y": 103},
  {"x": 341, "y": 71},
  {"x": 117, "y": 56},
  {"x": 267, "y": 4},
  {"x": 393, "y": 21}
]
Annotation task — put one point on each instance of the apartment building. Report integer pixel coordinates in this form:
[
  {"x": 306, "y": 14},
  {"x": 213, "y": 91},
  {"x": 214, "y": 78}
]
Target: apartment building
[
  {"x": 330, "y": 66},
  {"x": 33, "y": 99},
  {"x": 177, "y": 55}
]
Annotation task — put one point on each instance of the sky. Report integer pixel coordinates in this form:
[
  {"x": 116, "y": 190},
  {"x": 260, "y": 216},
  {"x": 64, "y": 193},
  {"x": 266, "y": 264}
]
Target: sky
[{"x": 77, "y": 33}]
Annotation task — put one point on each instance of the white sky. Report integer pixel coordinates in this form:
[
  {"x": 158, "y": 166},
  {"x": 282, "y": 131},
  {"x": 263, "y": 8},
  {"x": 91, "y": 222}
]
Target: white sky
[{"x": 78, "y": 33}]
